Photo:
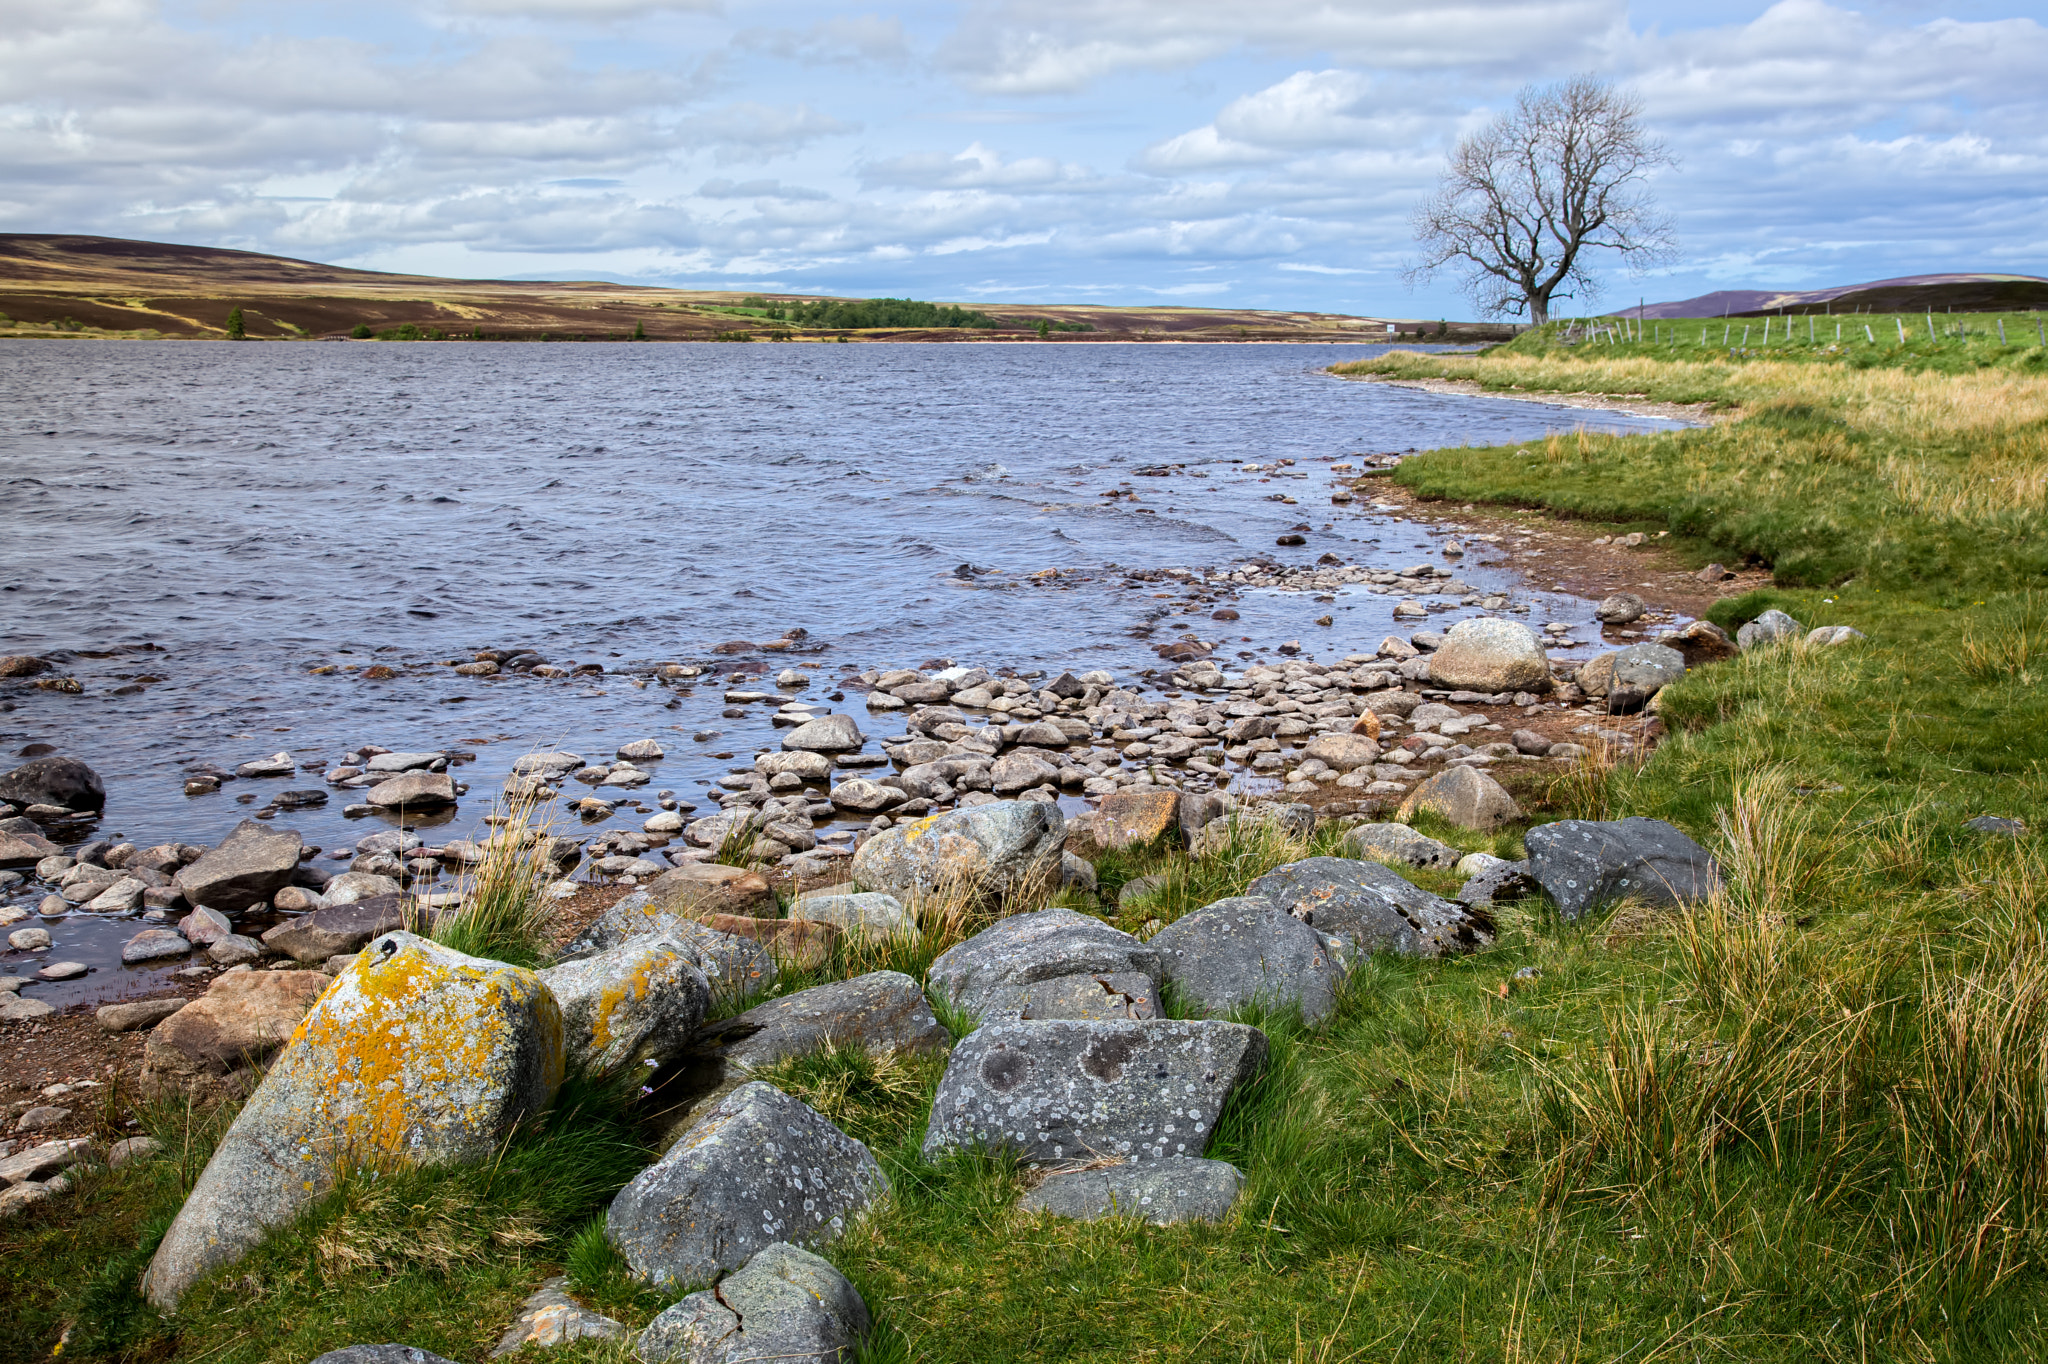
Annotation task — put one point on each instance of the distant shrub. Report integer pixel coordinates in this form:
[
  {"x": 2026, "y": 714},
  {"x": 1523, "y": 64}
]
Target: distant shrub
[
  {"x": 235, "y": 330},
  {"x": 404, "y": 331},
  {"x": 361, "y": 332},
  {"x": 733, "y": 336}
]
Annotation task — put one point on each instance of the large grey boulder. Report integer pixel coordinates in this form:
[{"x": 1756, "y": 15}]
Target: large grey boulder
[
  {"x": 1399, "y": 843},
  {"x": 1772, "y": 627},
  {"x": 1372, "y": 907},
  {"x": 785, "y": 1305},
  {"x": 1055, "y": 963},
  {"x": 1245, "y": 951},
  {"x": 734, "y": 965},
  {"x": 251, "y": 864},
  {"x": 639, "y": 1001},
  {"x": 761, "y": 1167},
  {"x": 826, "y": 734},
  {"x": 314, "y": 937},
  {"x": 54, "y": 781},
  {"x": 416, "y": 1052},
  {"x": 1490, "y": 655},
  {"x": 1584, "y": 863},
  {"x": 1068, "y": 1091},
  {"x": 999, "y": 851},
  {"x": 1648, "y": 668},
  {"x": 1178, "y": 1189}
]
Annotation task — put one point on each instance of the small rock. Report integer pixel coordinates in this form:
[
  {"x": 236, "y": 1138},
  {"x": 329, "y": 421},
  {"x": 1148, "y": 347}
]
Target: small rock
[
  {"x": 42, "y": 1118},
  {"x": 154, "y": 944},
  {"x": 142, "y": 1013},
  {"x": 1826, "y": 635},
  {"x": 1162, "y": 1192},
  {"x": 129, "y": 1150},
  {"x": 1997, "y": 825},
  {"x": 1619, "y": 609},
  {"x": 1772, "y": 627},
  {"x": 871, "y": 913},
  {"x": 551, "y": 1317},
  {"x": 785, "y": 1305},
  {"x": 233, "y": 950},
  {"x": 63, "y": 970},
  {"x": 413, "y": 791},
  {"x": 28, "y": 939}
]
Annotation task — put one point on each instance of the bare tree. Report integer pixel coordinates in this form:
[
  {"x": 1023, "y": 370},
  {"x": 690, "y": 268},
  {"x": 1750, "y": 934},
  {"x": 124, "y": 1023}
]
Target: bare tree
[{"x": 1525, "y": 198}]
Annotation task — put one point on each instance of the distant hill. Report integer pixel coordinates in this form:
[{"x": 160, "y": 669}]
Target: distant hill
[
  {"x": 54, "y": 285},
  {"x": 1967, "y": 293}
]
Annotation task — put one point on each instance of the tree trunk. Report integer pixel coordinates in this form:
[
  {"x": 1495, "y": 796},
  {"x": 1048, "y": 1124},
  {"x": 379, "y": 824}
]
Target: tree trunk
[{"x": 1539, "y": 310}]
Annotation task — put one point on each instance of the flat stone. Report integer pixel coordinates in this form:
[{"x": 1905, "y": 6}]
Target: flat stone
[
  {"x": 63, "y": 970},
  {"x": 1583, "y": 863},
  {"x": 41, "y": 1161},
  {"x": 242, "y": 1018},
  {"x": 879, "y": 1012},
  {"x": 551, "y": 1317},
  {"x": 154, "y": 944},
  {"x": 141, "y": 1013},
  {"x": 413, "y": 791},
  {"x": 1997, "y": 825},
  {"x": 1245, "y": 951},
  {"x": 1372, "y": 907},
  {"x": 1054, "y": 963},
  {"x": 785, "y": 1305},
  {"x": 871, "y": 913},
  {"x": 20, "y": 848},
  {"x": 1344, "y": 752},
  {"x": 355, "y": 887},
  {"x": 380, "y": 1354},
  {"x": 761, "y": 1167},
  {"x": 313, "y": 938},
  {"x": 276, "y": 765},
  {"x": 1070, "y": 1091},
  {"x": 414, "y": 1051},
  {"x": 1162, "y": 1192},
  {"x": 1397, "y": 843},
  {"x": 400, "y": 762}
]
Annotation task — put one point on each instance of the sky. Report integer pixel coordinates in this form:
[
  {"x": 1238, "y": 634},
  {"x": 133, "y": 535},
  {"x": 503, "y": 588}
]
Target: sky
[{"x": 1229, "y": 153}]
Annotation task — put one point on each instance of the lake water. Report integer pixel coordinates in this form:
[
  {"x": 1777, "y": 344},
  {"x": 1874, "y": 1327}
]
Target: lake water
[{"x": 255, "y": 511}]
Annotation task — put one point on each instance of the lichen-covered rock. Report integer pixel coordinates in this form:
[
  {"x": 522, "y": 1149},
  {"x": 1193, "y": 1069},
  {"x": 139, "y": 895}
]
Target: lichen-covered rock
[
  {"x": 252, "y": 863},
  {"x": 872, "y": 913},
  {"x": 551, "y": 1317},
  {"x": 761, "y": 1167},
  {"x": 1465, "y": 796},
  {"x": 1398, "y": 843},
  {"x": 1772, "y": 627},
  {"x": 1178, "y": 1189},
  {"x": 1372, "y": 907},
  {"x": 785, "y": 1305},
  {"x": 1072, "y": 1091},
  {"x": 416, "y": 1053},
  {"x": 1245, "y": 950},
  {"x": 735, "y": 966},
  {"x": 1004, "y": 850},
  {"x": 242, "y": 1018},
  {"x": 380, "y": 1354},
  {"x": 1648, "y": 668},
  {"x": 1055, "y": 963},
  {"x": 1491, "y": 655},
  {"x": 1584, "y": 863},
  {"x": 639, "y": 1001}
]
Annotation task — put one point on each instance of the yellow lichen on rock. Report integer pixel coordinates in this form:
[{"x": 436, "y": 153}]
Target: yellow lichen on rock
[
  {"x": 416, "y": 1053},
  {"x": 638, "y": 1001}
]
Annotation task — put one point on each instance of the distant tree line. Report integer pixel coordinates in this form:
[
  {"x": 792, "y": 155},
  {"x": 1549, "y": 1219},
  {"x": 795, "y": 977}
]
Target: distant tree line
[{"x": 859, "y": 313}]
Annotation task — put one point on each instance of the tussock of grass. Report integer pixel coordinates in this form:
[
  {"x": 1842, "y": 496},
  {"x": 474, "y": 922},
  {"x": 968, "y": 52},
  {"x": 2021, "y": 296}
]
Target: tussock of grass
[{"x": 504, "y": 909}]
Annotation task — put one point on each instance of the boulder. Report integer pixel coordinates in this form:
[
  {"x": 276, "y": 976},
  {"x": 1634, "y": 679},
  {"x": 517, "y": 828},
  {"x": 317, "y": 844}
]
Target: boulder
[
  {"x": 1372, "y": 907},
  {"x": 1646, "y": 667},
  {"x": 1397, "y": 843},
  {"x": 1490, "y": 655},
  {"x": 205, "y": 926},
  {"x": 1288, "y": 821},
  {"x": 1464, "y": 796},
  {"x": 785, "y": 1305},
  {"x": 803, "y": 944},
  {"x": 1162, "y": 1192},
  {"x": 65, "y": 782},
  {"x": 415, "y": 1053},
  {"x": 1054, "y": 963},
  {"x": 1004, "y": 850},
  {"x": 1077, "y": 1091},
  {"x": 1343, "y": 751},
  {"x": 639, "y": 1001},
  {"x": 1584, "y": 863},
  {"x": 1246, "y": 951},
  {"x": 242, "y": 1018},
  {"x": 251, "y": 864},
  {"x": 761, "y": 1167},
  {"x": 826, "y": 734},
  {"x": 1619, "y": 609},
  {"x": 1495, "y": 882},
  {"x": 1701, "y": 642},
  {"x": 413, "y": 791},
  {"x": 1022, "y": 770},
  {"x": 1772, "y": 627},
  {"x": 873, "y": 913},
  {"x": 313, "y": 938},
  {"x": 353, "y": 887},
  {"x": 808, "y": 766},
  {"x": 1136, "y": 818}
]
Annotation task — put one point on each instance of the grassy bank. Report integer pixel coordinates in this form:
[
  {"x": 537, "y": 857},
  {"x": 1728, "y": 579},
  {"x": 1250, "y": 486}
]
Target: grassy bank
[{"x": 1808, "y": 1120}]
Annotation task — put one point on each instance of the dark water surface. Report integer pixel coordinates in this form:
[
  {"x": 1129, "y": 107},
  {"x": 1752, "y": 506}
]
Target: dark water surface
[{"x": 255, "y": 511}]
